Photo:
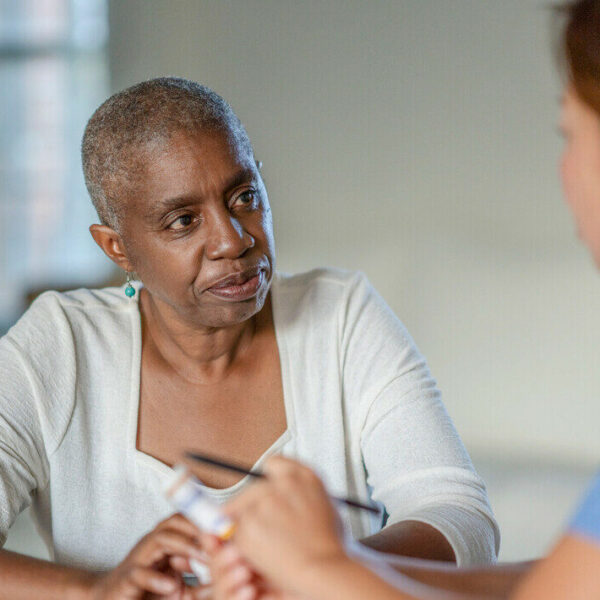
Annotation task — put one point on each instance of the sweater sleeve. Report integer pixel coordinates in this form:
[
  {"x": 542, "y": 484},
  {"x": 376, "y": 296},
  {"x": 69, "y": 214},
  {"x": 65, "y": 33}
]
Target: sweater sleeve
[
  {"x": 37, "y": 375},
  {"x": 23, "y": 462},
  {"x": 415, "y": 462}
]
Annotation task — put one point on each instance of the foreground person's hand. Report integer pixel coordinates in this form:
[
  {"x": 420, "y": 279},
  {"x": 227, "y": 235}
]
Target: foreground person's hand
[
  {"x": 233, "y": 578},
  {"x": 286, "y": 524},
  {"x": 153, "y": 567}
]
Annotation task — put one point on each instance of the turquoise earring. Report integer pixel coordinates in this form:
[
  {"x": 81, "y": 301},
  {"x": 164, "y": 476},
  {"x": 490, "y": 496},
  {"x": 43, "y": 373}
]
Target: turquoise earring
[{"x": 129, "y": 289}]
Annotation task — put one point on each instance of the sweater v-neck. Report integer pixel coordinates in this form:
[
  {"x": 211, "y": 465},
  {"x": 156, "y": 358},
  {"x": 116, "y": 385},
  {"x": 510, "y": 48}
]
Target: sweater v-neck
[{"x": 162, "y": 469}]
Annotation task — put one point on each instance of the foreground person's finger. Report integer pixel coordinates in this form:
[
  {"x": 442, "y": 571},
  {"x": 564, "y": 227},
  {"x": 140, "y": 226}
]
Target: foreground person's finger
[{"x": 151, "y": 581}]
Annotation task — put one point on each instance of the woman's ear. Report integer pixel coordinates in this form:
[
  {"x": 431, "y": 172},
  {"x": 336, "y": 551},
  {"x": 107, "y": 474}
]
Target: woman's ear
[{"x": 111, "y": 244}]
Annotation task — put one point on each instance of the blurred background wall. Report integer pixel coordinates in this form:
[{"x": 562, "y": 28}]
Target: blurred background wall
[{"x": 414, "y": 140}]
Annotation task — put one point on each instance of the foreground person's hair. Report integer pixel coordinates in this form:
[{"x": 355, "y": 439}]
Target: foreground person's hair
[{"x": 579, "y": 49}]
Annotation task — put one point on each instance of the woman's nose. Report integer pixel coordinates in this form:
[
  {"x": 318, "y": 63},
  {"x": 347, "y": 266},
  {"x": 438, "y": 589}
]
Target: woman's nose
[{"x": 227, "y": 238}]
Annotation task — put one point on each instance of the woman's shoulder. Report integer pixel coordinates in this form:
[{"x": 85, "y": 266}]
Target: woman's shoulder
[
  {"x": 323, "y": 280},
  {"x": 111, "y": 298},
  {"x": 55, "y": 319},
  {"x": 319, "y": 297},
  {"x": 45, "y": 356},
  {"x": 80, "y": 301}
]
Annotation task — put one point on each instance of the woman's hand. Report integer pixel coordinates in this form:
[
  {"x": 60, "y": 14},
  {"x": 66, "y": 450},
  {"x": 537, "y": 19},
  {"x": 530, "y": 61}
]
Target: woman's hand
[
  {"x": 286, "y": 524},
  {"x": 153, "y": 567}
]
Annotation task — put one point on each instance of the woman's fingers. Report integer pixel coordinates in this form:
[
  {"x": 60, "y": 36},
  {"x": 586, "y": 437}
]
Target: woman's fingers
[
  {"x": 181, "y": 564},
  {"x": 164, "y": 543},
  {"x": 180, "y": 523},
  {"x": 173, "y": 536},
  {"x": 154, "y": 566}
]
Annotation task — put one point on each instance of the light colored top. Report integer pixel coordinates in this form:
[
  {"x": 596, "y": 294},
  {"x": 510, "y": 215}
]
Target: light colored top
[
  {"x": 361, "y": 408},
  {"x": 586, "y": 521}
]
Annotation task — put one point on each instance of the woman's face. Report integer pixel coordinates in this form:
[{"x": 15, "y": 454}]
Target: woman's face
[
  {"x": 198, "y": 230},
  {"x": 580, "y": 168}
]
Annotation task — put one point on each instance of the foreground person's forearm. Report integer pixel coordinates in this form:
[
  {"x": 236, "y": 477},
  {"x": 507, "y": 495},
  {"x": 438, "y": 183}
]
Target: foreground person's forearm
[
  {"x": 494, "y": 582},
  {"x": 24, "y": 578},
  {"x": 349, "y": 579},
  {"x": 570, "y": 572}
]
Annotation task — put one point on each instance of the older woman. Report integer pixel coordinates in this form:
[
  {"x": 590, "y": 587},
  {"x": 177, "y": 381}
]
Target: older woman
[
  {"x": 286, "y": 527},
  {"x": 102, "y": 390}
]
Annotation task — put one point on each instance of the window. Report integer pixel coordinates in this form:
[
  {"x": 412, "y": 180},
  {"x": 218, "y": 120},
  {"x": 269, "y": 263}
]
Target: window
[{"x": 53, "y": 74}]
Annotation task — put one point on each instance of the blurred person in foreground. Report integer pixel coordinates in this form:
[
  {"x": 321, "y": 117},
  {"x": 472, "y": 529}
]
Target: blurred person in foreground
[{"x": 287, "y": 529}]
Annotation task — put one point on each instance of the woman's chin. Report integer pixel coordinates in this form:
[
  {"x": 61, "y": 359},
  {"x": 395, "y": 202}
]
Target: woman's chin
[{"x": 227, "y": 313}]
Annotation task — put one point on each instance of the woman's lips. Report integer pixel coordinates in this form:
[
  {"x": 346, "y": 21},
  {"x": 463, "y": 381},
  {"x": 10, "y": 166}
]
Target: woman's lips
[{"x": 239, "y": 292}]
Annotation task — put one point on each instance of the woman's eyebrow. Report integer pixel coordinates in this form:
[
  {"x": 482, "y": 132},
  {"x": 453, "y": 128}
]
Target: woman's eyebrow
[
  {"x": 162, "y": 207},
  {"x": 241, "y": 176},
  {"x": 168, "y": 204}
]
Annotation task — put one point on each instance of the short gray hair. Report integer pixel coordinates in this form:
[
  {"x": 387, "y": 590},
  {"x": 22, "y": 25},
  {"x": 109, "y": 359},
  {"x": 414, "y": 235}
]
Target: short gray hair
[{"x": 126, "y": 127}]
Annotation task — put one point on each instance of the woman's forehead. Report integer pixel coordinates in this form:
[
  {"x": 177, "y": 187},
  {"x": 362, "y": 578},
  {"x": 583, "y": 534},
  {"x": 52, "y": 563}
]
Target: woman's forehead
[
  {"x": 189, "y": 166},
  {"x": 210, "y": 151}
]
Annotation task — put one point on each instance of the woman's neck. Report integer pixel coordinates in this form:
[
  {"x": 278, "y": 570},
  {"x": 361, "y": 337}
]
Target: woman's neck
[{"x": 203, "y": 355}]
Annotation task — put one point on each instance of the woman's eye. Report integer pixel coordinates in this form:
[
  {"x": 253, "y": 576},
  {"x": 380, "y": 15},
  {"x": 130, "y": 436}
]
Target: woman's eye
[
  {"x": 182, "y": 222},
  {"x": 246, "y": 199}
]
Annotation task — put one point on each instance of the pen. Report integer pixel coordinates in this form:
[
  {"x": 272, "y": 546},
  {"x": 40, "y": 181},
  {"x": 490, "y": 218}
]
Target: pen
[{"x": 211, "y": 460}]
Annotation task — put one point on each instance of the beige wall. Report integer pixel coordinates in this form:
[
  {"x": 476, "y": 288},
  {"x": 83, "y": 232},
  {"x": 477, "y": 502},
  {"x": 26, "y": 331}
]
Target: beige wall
[{"x": 415, "y": 140}]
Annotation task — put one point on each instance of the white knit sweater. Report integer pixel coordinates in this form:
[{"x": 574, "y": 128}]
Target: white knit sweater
[{"x": 361, "y": 408}]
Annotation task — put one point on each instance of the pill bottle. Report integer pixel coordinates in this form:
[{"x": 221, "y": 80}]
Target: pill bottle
[{"x": 186, "y": 494}]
